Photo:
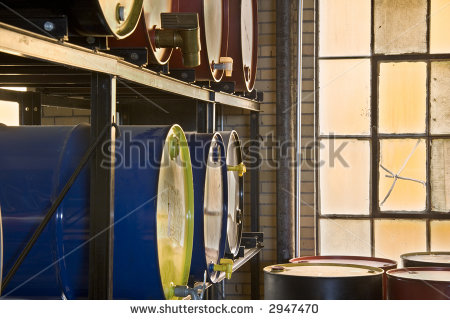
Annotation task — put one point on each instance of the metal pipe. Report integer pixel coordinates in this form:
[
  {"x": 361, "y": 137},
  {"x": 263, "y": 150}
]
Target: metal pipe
[
  {"x": 285, "y": 135},
  {"x": 299, "y": 126}
]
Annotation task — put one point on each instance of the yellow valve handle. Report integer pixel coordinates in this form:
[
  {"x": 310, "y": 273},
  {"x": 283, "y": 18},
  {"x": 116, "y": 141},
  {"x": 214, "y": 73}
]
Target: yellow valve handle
[
  {"x": 226, "y": 265},
  {"x": 240, "y": 168}
]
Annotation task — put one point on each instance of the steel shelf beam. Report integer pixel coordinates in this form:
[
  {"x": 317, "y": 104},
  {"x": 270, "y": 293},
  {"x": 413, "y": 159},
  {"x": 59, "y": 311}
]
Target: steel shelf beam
[{"x": 22, "y": 43}]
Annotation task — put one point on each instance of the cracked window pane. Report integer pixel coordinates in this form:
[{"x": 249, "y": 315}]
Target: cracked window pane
[
  {"x": 9, "y": 113},
  {"x": 402, "y": 175},
  {"x": 440, "y": 235},
  {"x": 440, "y": 175},
  {"x": 439, "y": 26},
  {"x": 344, "y": 237},
  {"x": 393, "y": 237},
  {"x": 344, "y": 94},
  {"x": 344, "y": 28},
  {"x": 344, "y": 177},
  {"x": 400, "y": 26},
  {"x": 440, "y": 97},
  {"x": 402, "y": 97}
]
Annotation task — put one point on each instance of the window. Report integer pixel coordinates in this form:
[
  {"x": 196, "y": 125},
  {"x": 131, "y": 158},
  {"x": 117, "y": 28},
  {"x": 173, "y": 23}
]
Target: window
[{"x": 383, "y": 114}]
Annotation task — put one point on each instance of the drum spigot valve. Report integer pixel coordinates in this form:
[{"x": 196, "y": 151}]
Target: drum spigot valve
[
  {"x": 180, "y": 30},
  {"x": 226, "y": 265},
  {"x": 240, "y": 168}
]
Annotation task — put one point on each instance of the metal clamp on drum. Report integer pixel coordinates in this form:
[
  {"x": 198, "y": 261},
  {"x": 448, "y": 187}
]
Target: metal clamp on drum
[{"x": 180, "y": 30}]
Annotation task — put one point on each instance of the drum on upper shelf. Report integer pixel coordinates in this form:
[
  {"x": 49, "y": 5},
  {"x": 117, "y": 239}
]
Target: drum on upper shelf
[
  {"x": 243, "y": 43},
  {"x": 322, "y": 281},
  {"x": 214, "y": 32},
  {"x": 98, "y": 18},
  {"x": 385, "y": 264},
  {"x": 144, "y": 35},
  {"x": 419, "y": 283},
  {"x": 426, "y": 259}
]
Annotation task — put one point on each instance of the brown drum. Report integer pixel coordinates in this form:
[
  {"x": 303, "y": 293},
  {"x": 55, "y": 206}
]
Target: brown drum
[
  {"x": 385, "y": 264},
  {"x": 214, "y": 26},
  {"x": 144, "y": 35},
  {"x": 424, "y": 283},
  {"x": 426, "y": 259},
  {"x": 243, "y": 43},
  {"x": 322, "y": 281}
]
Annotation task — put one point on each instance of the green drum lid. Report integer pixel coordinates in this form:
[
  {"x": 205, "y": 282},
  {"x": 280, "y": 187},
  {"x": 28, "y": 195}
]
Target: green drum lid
[
  {"x": 175, "y": 212},
  {"x": 213, "y": 206},
  {"x": 121, "y": 16}
]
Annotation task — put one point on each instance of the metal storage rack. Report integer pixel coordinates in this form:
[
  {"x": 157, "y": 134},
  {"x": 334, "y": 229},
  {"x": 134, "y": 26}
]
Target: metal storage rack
[{"x": 66, "y": 75}]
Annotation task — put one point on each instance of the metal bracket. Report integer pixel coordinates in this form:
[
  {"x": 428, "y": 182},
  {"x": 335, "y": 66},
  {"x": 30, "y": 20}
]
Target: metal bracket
[
  {"x": 137, "y": 56},
  {"x": 54, "y": 26},
  {"x": 186, "y": 75}
]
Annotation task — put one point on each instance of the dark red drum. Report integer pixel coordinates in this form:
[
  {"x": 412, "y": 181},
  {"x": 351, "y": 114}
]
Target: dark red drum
[
  {"x": 426, "y": 259},
  {"x": 424, "y": 283},
  {"x": 144, "y": 35},
  {"x": 243, "y": 43},
  {"x": 385, "y": 264},
  {"x": 214, "y": 26},
  {"x": 322, "y": 281}
]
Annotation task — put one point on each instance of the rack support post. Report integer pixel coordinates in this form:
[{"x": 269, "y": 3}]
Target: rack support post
[
  {"x": 254, "y": 199},
  {"x": 103, "y": 112}
]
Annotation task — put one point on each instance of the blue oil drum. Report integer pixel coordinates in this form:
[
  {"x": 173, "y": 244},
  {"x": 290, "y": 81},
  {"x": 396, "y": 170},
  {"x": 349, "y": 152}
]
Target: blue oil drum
[
  {"x": 235, "y": 177},
  {"x": 1, "y": 247},
  {"x": 210, "y": 190},
  {"x": 153, "y": 221}
]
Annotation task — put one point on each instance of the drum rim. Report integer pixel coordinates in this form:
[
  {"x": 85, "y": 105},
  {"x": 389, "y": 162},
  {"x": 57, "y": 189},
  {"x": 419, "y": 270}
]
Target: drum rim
[
  {"x": 331, "y": 257},
  {"x": 377, "y": 271}
]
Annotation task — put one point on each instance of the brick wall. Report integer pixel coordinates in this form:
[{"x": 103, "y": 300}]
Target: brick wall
[{"x": 239, "y": 286}]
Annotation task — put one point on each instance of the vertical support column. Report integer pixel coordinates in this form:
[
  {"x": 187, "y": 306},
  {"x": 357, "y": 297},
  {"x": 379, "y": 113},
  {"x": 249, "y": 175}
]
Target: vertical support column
[
  {"x": 206, "y": 115},
  {"x": 103, "y": 110},
  {"x": 286, "y": 197},
  {"x": 30, "y": 108},
  {"x": 254, "y": 200}
]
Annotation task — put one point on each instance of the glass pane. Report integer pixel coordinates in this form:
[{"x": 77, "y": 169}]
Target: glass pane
[
  {"x": 440, "y": 235},
  {"x": 405, "y": 158},
  {"x": 439, "y": 25},
  {"x": 440, "y": 175},
  {"x": 344, "y": 237},
  {"x": 9, "y": 113},
  {"x": 440, "y": 97},
  {"x": 402, "y": 97},
  {"x": 344, "y": 95},
  {"x": 344, "y": 176},
  {"x": 400, "y": 26},
  {"x": 344, "y": 28},
  {"x": 395, "y": 237}
]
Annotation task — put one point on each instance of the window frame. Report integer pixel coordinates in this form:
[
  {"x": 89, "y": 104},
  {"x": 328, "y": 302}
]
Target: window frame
[{"x": 374, "y": 138}]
